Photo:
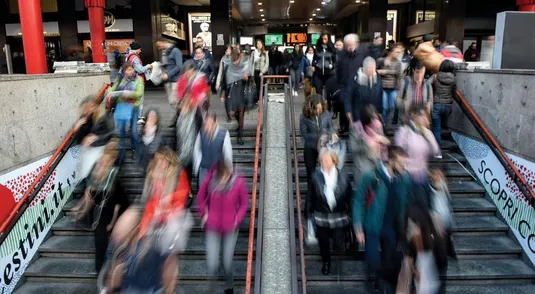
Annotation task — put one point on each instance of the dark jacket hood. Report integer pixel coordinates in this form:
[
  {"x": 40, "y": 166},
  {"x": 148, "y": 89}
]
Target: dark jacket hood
[{"x": 446, "y": 78}]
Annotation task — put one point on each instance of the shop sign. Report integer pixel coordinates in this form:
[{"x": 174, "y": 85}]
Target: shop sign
[
  {"x": 510, "y": 202},
  {"x": 199, "y": 26},
  {"x": 119, "y": 25},
  {"x": 112, "y": 45},
  {"x": 391, "y": 25},
  {"x": 109, "y": 19},
  {"x": 22, "y": 242},
  {"x": 296, "y": 38}
]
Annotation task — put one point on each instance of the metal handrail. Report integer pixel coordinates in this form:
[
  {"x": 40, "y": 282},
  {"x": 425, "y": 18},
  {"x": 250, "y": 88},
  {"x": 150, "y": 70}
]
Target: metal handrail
[
  {"x": 42, "y": 177},
  {"x": 250, "y": 246},
  {"x": 511, "y": 169}
]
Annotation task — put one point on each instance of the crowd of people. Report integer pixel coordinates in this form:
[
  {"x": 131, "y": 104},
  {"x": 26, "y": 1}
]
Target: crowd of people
[
  {"x": 139, "y": 240},
  {"x": 392, "y": 199},
  {"x": 387, "y": 197}
]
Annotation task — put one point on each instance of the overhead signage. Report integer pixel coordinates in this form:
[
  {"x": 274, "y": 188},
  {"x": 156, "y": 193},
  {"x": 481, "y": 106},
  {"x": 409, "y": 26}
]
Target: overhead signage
[
  {"x": 119, "y": 25},
  {"x": 429, "y": 15},
  {"x": 112, "y": 45},
  {"x": 296, "y": 38}
]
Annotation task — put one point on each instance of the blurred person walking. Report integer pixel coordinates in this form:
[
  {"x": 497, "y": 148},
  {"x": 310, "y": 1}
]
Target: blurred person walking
[
  {"x": 419, "y": 143},
  {"x": 367, "y": 142},
  {"x": 128, "y": 91},
  {"x": 323, "y": 62},
  {"x": 260, "y": 65},
  {"x": 172, "y": 67},
  {"x": 389, "y": 68},
  {"x": 414, "y": 91},
  {"x": 328, "y": 205},
  {"x": 366, "y": 88},
  {"x": 103, "y": 201},
  {"x": 378, "y": 213},
  {"x": 222, "y": 202},
  {"x": 293, "y": 67},
  {"x": 211, "y": 146},
  {"x": 444, "y": 90},
  {"x": 314, "y": 122},
  {"x": 205, "y": 66},
  {"x": 236, "y": 76},
  {"x": 151, "y": 139},
  {"x": 308, "y": 71},
  {"x": 221, "y": 84},
  {"x": 451, "y": 52},
  {"x": 94, "y": 129},
  {"x": 133, "y": 58},
  {"x": 471, "y": 54}
]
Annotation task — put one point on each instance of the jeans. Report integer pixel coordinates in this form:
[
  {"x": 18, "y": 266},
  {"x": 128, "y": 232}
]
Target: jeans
[
  {"x": 439, "y": 118},
  {"x": 170, "y": 91},
  {"x": 213, "y": 246},
  {"x": 381, "y": 254},
  {"x": 295, "y": 74},
  {"x": 311, "y": 159},
  {"x": 121, "y": 125},
  {"x": 389, "y": 103}
]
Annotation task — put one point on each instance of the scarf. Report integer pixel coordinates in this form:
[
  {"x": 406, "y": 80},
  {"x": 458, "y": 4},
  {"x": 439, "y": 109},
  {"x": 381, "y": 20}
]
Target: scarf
[
  {"x": 128, "y": 83},
  {"x": 330, "y": 186},
  {"x": 236, "y": 72},
  {"x": 149, "y": 135},
  {"x": 364, "y": 80},
  {"x": 310, "y": 57}
]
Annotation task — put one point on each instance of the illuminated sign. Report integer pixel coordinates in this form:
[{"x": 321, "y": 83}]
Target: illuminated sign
[
  {"x": 109, "y": 19},
  {"x": 296, "y": 38}
]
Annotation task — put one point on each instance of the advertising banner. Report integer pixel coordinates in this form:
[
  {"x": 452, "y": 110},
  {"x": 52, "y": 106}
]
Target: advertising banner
[
  {"x": 24, "y": 239},
  {"x": 111, "y": 45},
  {"x": 200, "y": 26},
  {"x": 514, "y": 208}
]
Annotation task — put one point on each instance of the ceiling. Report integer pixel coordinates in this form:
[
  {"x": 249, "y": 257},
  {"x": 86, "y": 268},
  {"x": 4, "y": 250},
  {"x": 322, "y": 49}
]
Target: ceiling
[{"x": 192, "y": 2}]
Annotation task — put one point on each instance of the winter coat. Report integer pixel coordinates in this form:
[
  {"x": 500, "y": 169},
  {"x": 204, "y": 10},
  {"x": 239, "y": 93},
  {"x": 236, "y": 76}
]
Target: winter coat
[
  {"x": 392, "y": 76},
  {"x": 103, "y": 129},
  {"x": 368, "y": 215},
  {"x": 312, "y": 128},
  {"x": 445, "y": 87},
  {"x": 172, "y": 63},
  {"x": 145, "y": 152},
  {"x": 318, "y": 201},
  {"x": 224, "y": 210},
  {"x": 136, "y": 94},
  {"x": 349, "y": 63},
  {"x": 365, "y": 149},
  {"x": 196, "y": 87},
  {"x": 264, "y": 63},
  {"x": 361, "y": 91},
  {"x": 418, "y": 147},
  {"x": 324, "y": 61}
]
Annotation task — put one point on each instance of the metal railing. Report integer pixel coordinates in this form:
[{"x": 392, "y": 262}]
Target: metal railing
[
  {"x": 511, "y": 169},
  {"x": 42, "y": 177}
]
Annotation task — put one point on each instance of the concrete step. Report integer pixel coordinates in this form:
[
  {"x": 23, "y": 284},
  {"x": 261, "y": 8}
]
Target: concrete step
[
  {"x": 467, "y": 247},
  {"x": 249, "y": 143},
  {"x": 83, "y": 245},
  {"x": 341, "y": 287},
  {"x": 447, "y": 158},
  {"x": 447, "y": 145},
  {"x": 468, "y": 271},
  {"x": 183, "y": 287},
  {"x": 136, "y": 172},
  {"x": 76, "y": 270},
  {"x": 67, "y": 225}
]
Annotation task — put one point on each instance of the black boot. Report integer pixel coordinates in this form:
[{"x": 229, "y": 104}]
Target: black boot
[
  {"x": 229, "y": 291},
  {"x": 326, "y": 268},
  {"x": 240, "y": 135}
]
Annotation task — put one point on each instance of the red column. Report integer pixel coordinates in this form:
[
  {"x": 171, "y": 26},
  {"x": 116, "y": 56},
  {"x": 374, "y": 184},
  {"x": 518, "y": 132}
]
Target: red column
[
  {"x": 526, "y": 5},
  {"x": 96, "y": 28},
  {"x": 33, "y": 39}
]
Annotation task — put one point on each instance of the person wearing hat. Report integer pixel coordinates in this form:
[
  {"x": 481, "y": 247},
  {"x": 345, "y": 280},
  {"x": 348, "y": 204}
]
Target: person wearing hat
[{"x": 135, "y": 60}]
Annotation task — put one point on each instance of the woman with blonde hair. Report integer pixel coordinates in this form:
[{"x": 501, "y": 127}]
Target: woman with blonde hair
[
  {"x": 94, "y": 130},
  {"x": 328, "y": 205}
]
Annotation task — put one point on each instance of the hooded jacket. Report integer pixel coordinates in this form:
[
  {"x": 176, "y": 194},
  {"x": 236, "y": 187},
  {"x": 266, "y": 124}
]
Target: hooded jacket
[{"x": 445, "y": 87}]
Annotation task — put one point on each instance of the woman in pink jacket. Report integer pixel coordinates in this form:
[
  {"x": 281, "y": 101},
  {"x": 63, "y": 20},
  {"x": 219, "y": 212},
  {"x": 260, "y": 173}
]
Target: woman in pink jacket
[
  {"x": 223, "y": 200},
  {"x": 419, "y": 143}
]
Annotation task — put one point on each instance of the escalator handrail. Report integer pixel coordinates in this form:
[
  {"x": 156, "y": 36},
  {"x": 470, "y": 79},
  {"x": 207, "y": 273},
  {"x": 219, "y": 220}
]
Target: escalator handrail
[
  {"x": 42, "y": 177},
  {"x": 511, "y": 169},
  {"x": 251, "y": 241}
]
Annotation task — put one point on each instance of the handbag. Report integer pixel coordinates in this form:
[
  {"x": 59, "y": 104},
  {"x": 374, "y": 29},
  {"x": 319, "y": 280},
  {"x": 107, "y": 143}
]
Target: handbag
[
  {"x": 310, "y": 238},
  {"x": 124, "y": 111},
  {"x": 250, "y": 94}
]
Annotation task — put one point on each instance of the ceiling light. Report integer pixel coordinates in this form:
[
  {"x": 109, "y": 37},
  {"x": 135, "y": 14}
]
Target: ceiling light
[
  {"x": 358, "y": 1},
  {"x": 323, "y": 2},
  {"x": 261, "y": 15},
  {"x": 259, "y": 3},
  {"x": 313, "y": 14},
  {"x": 318, "y": 9},
  {"x": 263, "y": 19},
  {"x": 310, "y": 19},
  {"x": 292, "y": 1},
  {"x": 261, "y": 10}
]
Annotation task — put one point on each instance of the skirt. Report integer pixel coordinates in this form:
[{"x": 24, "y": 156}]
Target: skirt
[{"x": 235, "y": 92}]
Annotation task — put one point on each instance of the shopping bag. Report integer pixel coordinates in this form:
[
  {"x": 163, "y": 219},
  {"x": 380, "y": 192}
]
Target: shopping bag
[
  {"x": 250, "y": 94},
  {"x": 124, "y": 111},
  {"x": 156, "y": 74},
  {"x": 310, "y": 238}
]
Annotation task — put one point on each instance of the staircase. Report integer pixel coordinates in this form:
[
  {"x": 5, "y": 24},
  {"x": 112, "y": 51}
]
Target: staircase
[
  {"x": 65, "y": 261},
  {"x": 489, "y": 257}
]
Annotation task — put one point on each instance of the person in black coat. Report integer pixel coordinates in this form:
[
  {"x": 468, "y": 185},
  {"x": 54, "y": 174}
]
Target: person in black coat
[
  {"x": 151, "y": 139},
  {"x": 329, "y": 205},
  {"x": 351, "y": 59},
  {"x": 323, "y": 63}
]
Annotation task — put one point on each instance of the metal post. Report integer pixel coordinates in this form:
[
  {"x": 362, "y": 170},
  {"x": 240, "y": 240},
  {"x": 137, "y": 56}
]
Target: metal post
[
  {"x": 33, "y": 39},
  {"x": 7, "y": 51}
]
